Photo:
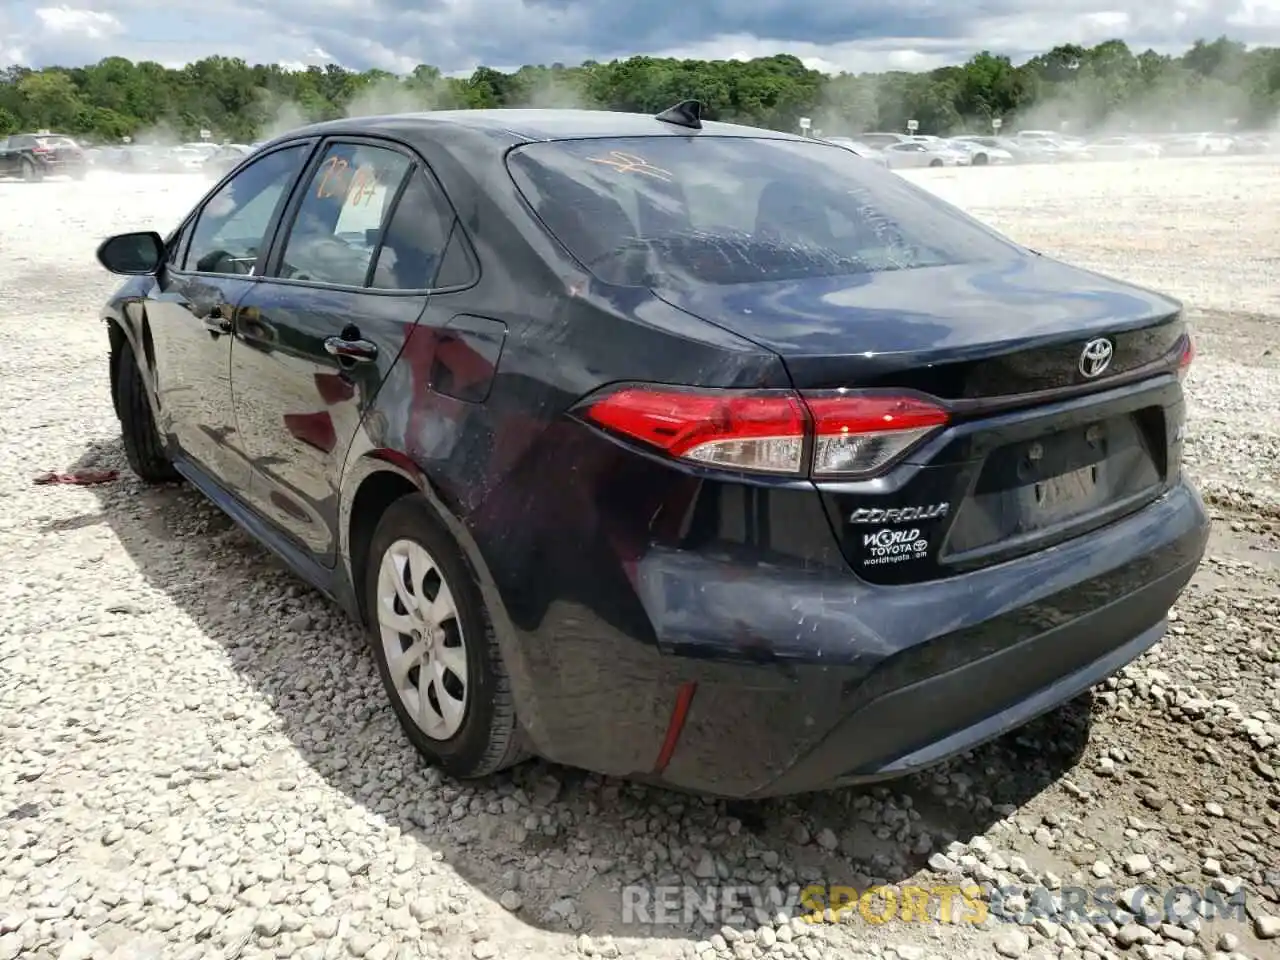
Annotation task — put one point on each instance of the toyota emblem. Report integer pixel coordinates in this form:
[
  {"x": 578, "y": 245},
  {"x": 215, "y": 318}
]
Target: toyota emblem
[{"x": 1096, "y": 357}]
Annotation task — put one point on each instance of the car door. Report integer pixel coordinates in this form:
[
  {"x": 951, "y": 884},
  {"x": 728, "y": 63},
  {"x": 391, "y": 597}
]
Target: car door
[
  {"x": 348, "y": 279},
  {"x": 190, "y": 311},
  {"x": 6, "y": 164}
]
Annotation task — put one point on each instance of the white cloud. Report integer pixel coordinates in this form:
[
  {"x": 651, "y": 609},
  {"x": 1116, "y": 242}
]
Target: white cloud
[{"x": 87, "y": 23}]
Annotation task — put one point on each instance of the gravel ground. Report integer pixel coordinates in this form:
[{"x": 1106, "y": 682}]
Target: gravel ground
[{"x": 197, "y": 761}]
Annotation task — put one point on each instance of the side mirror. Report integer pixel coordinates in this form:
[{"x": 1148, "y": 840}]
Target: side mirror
[{"x": 132, "y": 254}]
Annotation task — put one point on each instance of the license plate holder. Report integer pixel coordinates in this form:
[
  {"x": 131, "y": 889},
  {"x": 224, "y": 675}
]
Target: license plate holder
[{"x": 1061, "y": 497}]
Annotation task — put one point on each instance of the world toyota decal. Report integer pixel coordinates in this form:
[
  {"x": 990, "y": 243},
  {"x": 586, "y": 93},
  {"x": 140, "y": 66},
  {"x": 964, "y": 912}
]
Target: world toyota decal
[{"x": 894, "y": 546}]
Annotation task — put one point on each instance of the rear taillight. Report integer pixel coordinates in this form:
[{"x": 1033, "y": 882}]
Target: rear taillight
[
  {"x": 41, "y": 151},
  {"x": 759, "y": 430},
  {"x": 1188, "y": 355},
  {"x": 824, "y": 434},
  {"x": 858, "y": 434}
]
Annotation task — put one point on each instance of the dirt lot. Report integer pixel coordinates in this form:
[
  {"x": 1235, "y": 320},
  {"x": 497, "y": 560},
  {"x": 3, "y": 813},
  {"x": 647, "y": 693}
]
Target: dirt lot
[{"x": 197, "y": 761}]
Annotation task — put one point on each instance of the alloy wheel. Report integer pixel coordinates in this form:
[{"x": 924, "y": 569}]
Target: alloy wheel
[{"x": 422, "y": 639}]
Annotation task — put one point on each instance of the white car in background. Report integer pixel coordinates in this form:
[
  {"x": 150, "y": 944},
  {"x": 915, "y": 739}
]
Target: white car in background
[
  {"x": 864, "y": 150},
  {"x": 1197, "y": 145},
  {"x": 984, "y": 150},
  {"x": 913, "y": 153},
  {"x": 962, "y": 153},
  {"x": 184, "y": 159},
  {"x": 878, "y": 140},
  {"x": 1124, "y": 148},
  {"x": 1054, "y": 149}
]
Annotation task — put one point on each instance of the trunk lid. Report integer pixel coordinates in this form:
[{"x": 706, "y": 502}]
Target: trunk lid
[
  {"x": 964, "y": 331},
  {"x": 1037, "y": 451}
]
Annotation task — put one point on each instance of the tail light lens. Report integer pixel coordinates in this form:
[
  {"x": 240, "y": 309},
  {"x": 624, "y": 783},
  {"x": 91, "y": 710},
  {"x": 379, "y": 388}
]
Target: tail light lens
[
  {"x": 1188, "y": 355},
  {"x": 827, "y": 434},
  {"x": 859, "y": 434}
]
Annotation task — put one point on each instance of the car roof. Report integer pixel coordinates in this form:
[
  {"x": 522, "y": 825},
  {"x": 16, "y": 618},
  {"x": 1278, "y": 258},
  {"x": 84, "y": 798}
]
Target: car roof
[{"x": 519, "y": 125}]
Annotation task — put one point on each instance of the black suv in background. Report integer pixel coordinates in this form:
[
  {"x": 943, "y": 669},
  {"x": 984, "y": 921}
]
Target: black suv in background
[{"x": 34, "y": 156}]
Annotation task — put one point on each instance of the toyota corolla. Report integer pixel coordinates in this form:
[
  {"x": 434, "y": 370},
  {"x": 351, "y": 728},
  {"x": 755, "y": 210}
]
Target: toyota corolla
[{"x": 675, "y": 450}]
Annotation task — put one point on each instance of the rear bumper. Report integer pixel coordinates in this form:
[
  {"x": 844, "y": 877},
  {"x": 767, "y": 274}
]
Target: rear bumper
[
  {"x": 804, "y": 680},
  {"x": 53, "y": 167}
]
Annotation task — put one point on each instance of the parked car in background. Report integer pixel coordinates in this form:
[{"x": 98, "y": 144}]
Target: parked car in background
[
  {"x": 1125, "y": 148},
  {"x": 1253, "y": 143},
  {"x": 1047, "y": 149},
  {"x": 984, "y": 150},
  {"x": 1019, "y": 152},
  {"x": 145, "y": 158},
  {"x": 866, "y": 151},
  {"x": 880, "y": 140},
  {"x": 1196, "y": 144},
  {"x": 183, "y": 160},
  {"x": 222, "y": 160},
  {"x": 915, "y": 154},
  {"x": 962, "y": 153},
  {"x": 34, "y": 156},
  {"x": 727, "y": 462}
]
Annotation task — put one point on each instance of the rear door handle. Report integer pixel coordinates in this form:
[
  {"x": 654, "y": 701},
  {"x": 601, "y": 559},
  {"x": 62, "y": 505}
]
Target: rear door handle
[{"x": 356, "y": 350}]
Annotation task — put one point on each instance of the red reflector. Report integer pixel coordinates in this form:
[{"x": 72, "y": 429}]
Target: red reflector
[
  {"x": 675, "y": 725},
  {"x": 853, "y": 434},
  {"x": 759, "y": 430}
]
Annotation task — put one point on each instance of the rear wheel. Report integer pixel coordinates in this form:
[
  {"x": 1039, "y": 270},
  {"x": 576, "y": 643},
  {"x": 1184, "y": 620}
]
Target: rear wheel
[
  {"x": 935, "y": 163},
  {"x": 142, "y": 445},
  {"x": 30, "y": 172},
  {"x": 434, "y": 646},
  {"x": 980, "y": 160}
]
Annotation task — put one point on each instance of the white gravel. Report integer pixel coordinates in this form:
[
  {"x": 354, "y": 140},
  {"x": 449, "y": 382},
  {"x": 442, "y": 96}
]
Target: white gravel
[{"x": 197, "y": 761}]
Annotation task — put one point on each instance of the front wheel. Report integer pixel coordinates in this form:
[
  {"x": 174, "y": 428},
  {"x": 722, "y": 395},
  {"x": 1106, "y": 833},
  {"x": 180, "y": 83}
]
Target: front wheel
[
  {"x": 980, "y": 160},
  {"x": 935, "y": 163},
  {"x": 434, "y": 646},
  {"x": 142, "y": 444}
]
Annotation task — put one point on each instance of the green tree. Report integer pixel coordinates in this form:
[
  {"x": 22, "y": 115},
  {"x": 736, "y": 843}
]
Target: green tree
[{"x": 1082, "y": 87}]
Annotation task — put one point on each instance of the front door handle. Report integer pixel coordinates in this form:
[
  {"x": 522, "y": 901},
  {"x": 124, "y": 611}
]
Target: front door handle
[
  {"x": 355, "y": 350},
  {"x": 216, "y": 322}
]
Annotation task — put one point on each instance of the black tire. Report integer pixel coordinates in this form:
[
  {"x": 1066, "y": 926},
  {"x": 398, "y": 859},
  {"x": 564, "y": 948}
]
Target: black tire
[
  {"x": 981, "y": 160},
  {"x": 142, "y": 445},
  {"x": 489, "y": 739},
  {"x": 935, "y": 163},
  {"x": 30, "y": 172}
]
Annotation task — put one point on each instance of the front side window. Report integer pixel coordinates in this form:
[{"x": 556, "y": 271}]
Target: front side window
[
  {"x": 173, "y": 254},
  {"x": 649, "y": 211},
  {"x": 339, "y": 222},
  {"x": 231, "y": 228}
]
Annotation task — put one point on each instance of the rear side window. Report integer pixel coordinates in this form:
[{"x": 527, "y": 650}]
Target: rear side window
[
  {"x": 643, "y": 211},
  {"x": 413, "y": 246},
  {"x": 339, "y": 222}
]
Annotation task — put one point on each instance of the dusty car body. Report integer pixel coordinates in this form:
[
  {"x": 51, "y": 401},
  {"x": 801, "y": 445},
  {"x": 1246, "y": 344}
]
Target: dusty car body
[{"x": 680, "y": 451}]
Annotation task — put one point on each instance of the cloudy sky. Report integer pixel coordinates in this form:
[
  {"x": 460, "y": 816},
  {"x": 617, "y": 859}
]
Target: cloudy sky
[{"x": 457, "y": 35}]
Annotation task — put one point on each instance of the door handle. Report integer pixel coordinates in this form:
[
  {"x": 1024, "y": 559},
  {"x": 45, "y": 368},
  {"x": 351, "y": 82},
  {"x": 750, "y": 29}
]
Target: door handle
[
  {"x": 217, "y": 322},
  {"x": 355, "y": 350}
]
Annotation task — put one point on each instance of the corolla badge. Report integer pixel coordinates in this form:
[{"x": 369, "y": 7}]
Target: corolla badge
[{"x": 1096, "y": 357}]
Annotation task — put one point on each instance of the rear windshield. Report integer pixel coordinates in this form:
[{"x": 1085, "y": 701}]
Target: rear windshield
[{"x": 646, "y": 211}]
